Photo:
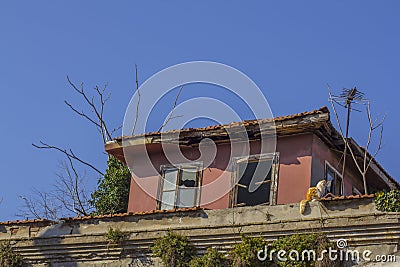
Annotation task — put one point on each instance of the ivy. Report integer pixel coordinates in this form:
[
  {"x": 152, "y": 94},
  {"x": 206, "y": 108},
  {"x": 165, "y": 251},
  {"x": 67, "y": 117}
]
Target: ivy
[
  {"x": 112, "y": 193},
  {"x": 388, "y": 201}
]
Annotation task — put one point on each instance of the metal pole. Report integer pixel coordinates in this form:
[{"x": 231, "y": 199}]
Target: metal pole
[{"x": 346, "y": 141}]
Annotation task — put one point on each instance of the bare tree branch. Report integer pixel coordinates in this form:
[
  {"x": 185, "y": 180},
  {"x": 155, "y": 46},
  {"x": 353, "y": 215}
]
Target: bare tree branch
[
  {"x": 97, "y": 111},
  {"x": 67, "y": 198},
  {"x": 170, "y": 117},
  {"x": 372, "y": 126},
  {"x": 82, "y": 114},
  {"x": 69, "y": 154},
  {"x": 138, "y": 101},
  {"x": 76, "y": 194},
  {"x": 42, "y": 206}
]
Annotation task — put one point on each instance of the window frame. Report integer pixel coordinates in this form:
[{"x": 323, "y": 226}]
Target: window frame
[
  {"x": 274, "y": 157},
  {"x": 337, "y": 174},
  {"x": 179, "y": 167}
]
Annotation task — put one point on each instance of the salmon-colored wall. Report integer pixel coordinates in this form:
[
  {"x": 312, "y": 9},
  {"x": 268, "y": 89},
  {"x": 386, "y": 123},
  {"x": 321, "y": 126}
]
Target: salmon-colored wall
[
  {"x": 216, "y": 179},
  {"x": 294, "y": 167},
  {"x": 294, "y": 177},
  {"x": 322, "y": 153}
]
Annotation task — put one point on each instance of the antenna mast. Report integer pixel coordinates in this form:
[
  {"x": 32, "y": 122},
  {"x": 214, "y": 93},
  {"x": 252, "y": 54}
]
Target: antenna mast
[{"x": 347, "y": 97}]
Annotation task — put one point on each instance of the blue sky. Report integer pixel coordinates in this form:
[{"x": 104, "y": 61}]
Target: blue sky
[{"x": 290, "y": 49}]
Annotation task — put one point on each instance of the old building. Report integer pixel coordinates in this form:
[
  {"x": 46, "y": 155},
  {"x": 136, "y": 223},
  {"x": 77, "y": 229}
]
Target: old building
[
  {"x": 176, "y": 197},
  {"x": 308, "y": 149}
]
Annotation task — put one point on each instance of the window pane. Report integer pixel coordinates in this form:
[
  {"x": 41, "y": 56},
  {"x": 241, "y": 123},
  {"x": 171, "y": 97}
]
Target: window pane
[
  {"x": 188, "y": 177},
  {"x": 186, "y": 198},
  {"x": 168, "y": 199},
  {"x": 170, "y": 176},
  {"x": 330, "y": 177},
  {"x": 338, "y": 186},
  {"x": 256, "y": 172}
]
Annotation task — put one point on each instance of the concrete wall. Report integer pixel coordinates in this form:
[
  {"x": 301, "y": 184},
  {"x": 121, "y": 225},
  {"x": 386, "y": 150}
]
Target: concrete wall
[{"x": 82, "y": 242}]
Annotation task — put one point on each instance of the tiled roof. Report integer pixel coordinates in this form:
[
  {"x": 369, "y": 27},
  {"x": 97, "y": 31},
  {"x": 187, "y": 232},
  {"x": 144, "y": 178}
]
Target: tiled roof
[
  {"x": 132, "y": 214},
  {"x": 118, "y": 215},
  {"x": 44, "y": 221},
  {"x": 346, "y": 197},
  {"x": 233, "y": 124}
]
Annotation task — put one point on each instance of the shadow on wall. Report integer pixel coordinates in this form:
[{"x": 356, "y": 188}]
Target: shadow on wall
[
  {"x": 54, "y": 235},
  {"x": 57, "y": 246}
]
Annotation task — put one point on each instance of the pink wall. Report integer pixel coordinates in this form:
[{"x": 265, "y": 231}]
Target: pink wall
[
  {"x": 295, "y": 156},
  {"x": 322, "y": 153},
  {"x": 294, "y": 167}
]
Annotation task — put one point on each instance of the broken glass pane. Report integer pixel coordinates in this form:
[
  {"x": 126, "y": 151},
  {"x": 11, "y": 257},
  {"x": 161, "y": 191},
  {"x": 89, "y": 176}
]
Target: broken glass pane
[
  {"x": 260, "y": 173},
  {"x": 188, "y": 177}
]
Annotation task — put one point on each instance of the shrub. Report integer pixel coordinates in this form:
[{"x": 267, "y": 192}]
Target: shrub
[
  {"x": 212, "y": 258},
  {"x": 388, "y": 201},
  {"x": 173, "y": 249},
  {"x": 245, "y": 252},
  {"x": 112, "y": 193},
  {"x": 115, "y": 236},
  {"x": 300, "y": 243},
  {"x": 9, "y": 257}
]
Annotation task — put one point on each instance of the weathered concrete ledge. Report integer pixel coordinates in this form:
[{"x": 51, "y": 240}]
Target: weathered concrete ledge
[{"x": 82, "y": 242}]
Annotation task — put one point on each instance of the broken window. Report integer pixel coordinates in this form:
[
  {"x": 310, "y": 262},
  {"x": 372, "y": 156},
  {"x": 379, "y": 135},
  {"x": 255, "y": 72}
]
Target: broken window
[
  {"x": 333, "y": 181},
  {"x": 179, "y": 187},
  {"x": 255, "y": 181}
]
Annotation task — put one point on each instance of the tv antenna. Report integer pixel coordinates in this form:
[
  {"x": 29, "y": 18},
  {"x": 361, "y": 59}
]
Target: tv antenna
[{"x": 346, "y": 99}]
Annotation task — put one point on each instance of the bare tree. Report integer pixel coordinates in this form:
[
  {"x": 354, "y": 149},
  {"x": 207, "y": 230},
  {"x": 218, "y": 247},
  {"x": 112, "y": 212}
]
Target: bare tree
[
  {"x": 361, "y": 157},
  {"x": 40, "y": 205},
  {"x": 69, "y": 194},
  {"x": 70, "y": 190}
]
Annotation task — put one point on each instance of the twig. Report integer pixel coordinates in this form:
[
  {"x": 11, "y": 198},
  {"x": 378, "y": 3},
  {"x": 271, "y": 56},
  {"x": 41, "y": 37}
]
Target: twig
[
  {"x": 170, "y": 117},
  {"x": 138, "y": 101},
  {"x": 99, "y": 114},
  {"x": 68, "y": 154}
]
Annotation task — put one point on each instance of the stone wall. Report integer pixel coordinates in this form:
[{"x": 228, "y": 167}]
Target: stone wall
[{"x": 82, "y": 242}]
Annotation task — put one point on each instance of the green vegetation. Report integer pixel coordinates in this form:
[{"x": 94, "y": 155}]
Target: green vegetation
[
  {"x": 173, "y": 249},
  {"x": 245, "y": 252},
  {"x": 112, "y": 193},
  {"x": 212, "y": 258},
  {"x": 115, "y": 236},
  {"x": 388, "y": 201},
  {"x": 9, "y": 257},
  {"x": 300, "y": 243}
]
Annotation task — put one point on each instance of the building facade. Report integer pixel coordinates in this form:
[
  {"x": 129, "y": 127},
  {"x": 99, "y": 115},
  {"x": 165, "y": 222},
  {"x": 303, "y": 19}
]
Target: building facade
[{"x": 308, "y": 149}]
